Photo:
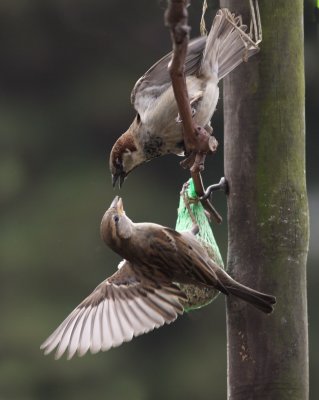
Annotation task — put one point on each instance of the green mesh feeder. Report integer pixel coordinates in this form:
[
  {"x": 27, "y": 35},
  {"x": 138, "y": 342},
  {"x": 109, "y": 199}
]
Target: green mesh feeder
[{"x": 197, "y": 296}]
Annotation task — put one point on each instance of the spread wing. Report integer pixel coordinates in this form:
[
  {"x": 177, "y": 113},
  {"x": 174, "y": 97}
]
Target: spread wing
[
  {"x": 157, "y": 79},
  {"x": 121, "y": 307}
]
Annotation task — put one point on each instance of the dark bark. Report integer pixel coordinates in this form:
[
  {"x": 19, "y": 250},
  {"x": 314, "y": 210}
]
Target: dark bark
[{"x": 267, "y": 208}]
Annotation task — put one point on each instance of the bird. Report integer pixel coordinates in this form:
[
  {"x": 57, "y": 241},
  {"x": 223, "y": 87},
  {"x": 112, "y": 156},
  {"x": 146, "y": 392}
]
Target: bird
[
  {"x": 156, "y": 129},
  {"x": 144, "y": 293}
]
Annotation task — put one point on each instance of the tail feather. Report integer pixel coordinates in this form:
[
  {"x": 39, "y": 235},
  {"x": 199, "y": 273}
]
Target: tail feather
[
  {"x": 220, "y": 29},
  {"x": 226, "y": 47},
  {"x": 262, "y": 301}
]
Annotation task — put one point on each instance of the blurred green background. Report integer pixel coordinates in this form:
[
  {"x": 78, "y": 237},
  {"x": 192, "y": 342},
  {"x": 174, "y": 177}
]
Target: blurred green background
[{"x": 66, "y": 71}]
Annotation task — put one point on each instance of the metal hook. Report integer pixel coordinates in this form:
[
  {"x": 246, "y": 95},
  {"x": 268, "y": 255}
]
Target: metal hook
[{"x": 222, "y": 185}]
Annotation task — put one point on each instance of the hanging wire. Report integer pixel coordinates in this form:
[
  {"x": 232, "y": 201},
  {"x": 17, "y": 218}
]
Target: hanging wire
[{"x": 203, "y": 30}]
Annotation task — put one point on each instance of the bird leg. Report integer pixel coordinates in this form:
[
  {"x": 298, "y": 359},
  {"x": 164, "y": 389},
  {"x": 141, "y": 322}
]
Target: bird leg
[{"x": 195, "y": 161}]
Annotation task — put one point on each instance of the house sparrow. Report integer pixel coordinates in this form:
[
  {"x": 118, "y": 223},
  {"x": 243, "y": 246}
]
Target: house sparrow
[
  {"x": 157, "y": 129},
  {"x": 144, "y": 293}
]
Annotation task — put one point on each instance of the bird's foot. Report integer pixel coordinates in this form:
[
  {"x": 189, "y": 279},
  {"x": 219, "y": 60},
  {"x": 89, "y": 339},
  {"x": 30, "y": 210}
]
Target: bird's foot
[
  {"x": 209, "y": 129},
  {"x": 203, "y": 144},
  {"x": 199, "y": 162}
]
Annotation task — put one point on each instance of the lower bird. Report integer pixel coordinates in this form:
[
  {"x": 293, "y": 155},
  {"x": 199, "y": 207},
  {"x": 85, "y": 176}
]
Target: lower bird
[
  {"x": 157, "y": 129},
  {"x": 144, "y": 293}
]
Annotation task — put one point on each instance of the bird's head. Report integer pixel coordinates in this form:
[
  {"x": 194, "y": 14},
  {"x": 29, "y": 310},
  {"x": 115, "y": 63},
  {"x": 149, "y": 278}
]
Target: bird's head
[
  {"x": 127, "y": 153},
  {"x": 116, "y": 226}
]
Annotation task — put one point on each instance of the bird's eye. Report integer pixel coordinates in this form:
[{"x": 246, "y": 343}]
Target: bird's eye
[
  {"x": 138, "y": 118},
  {"x": 116, "y": 218}
]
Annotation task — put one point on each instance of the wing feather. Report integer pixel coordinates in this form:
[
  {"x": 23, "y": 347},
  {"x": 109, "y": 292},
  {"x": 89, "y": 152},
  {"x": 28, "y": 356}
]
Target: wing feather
[
  {"x": 107, "y": 333},
  {"x": 75, "y": 335},
  {"x": 121, "y": 307},
  {"x": 222, "y": 51},
  {"x": 157, "y": 79}
]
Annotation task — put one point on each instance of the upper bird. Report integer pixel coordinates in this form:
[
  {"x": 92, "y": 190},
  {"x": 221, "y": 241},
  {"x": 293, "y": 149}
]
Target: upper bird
[
  {"x": 156, "y": 130},
  {"x": 145, "y": 293}
]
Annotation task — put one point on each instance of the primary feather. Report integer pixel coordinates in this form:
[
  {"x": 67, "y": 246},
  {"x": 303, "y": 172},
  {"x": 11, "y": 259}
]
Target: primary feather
[{"x": 120, "y": 308}]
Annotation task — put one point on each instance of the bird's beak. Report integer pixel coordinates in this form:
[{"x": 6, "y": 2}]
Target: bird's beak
[
  {"x": 118, "y": 175},
  {"x": 117, "y": 203}
]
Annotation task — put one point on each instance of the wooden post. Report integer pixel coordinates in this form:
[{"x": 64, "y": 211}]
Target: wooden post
[{"x": 264, "y": 120}]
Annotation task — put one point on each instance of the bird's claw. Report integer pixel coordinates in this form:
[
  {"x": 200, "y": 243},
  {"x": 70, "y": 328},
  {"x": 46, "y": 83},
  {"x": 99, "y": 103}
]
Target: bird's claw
[{"x": 212, "y": 144}]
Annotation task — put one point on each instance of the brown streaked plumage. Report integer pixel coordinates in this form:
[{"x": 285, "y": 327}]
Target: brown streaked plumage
[
  {"x": 144, "y": 293},
  {"x": 157, "y": 129}
]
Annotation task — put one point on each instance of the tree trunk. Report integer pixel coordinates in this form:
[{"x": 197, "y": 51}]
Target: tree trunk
[{"x": 267, "y": 208}]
